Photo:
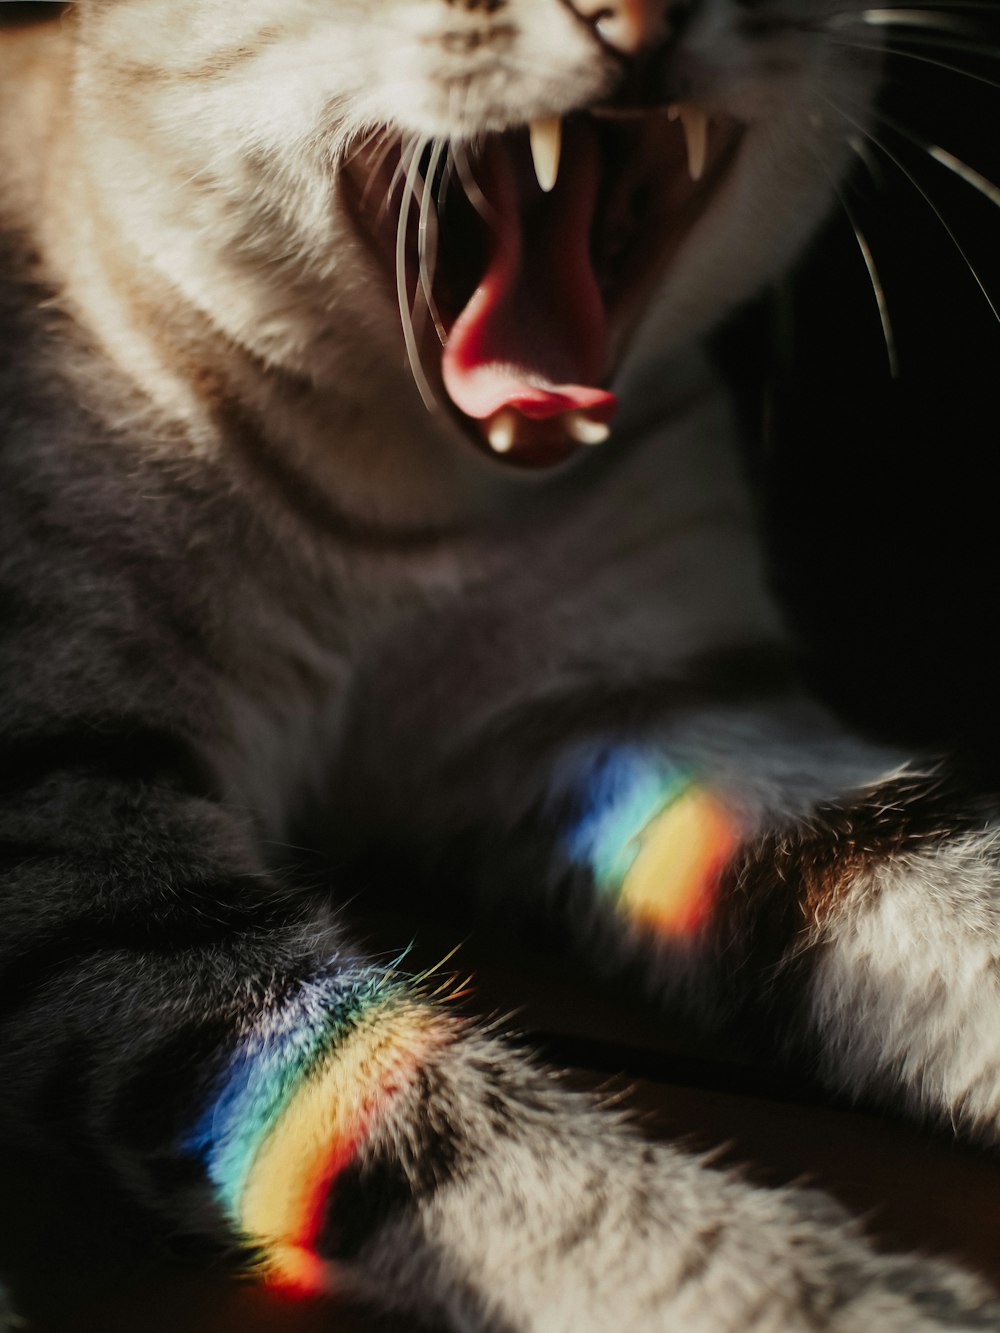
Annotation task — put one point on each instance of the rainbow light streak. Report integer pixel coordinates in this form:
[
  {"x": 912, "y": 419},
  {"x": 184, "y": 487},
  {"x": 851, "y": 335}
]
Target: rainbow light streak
[
  {"x": 293, "y": 1108},
  {"x": 654, "y": 840}
]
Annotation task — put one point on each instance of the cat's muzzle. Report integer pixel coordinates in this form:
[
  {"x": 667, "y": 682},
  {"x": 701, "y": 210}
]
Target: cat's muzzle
[{"x": 522, "y": 262}]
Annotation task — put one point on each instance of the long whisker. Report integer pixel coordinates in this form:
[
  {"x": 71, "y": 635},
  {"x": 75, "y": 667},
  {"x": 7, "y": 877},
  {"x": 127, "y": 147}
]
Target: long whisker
[
  {"x": 940, "y": 8},
  {"x": 933, "y": 21},
  {"x": 362, "y": 141},
  {"x": 924, "y": 60},
  {"x": 402, "y": 295},
  {"x": 900, "y": 166},
  {"x": 888, "y": 333},
  {"x": 947, "y": 42},
  {"x": 427, "y": 265},
  {"x": 914, "y": 18},
  {"x": 859, "y": 147},
  {"x": 398, "y": 178},
  {"x": 470, "y": 185},
  {"x": 868, "y": 160},
  {"x": 965, "y": 172},
  {"x": 989, "y": 189},
  {"x": 447, "y": 176},
  {"x": 936, "y": 41},
  {"x": 377, "y": 164},
  {"x": 944, "y": 158}
]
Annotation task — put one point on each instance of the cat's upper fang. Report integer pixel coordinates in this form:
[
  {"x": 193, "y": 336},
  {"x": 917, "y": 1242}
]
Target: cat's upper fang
[
  {"x": 695, "y": 124},
  {"x": 545, "y": 137},
  {"x": 540, "y": 266}
]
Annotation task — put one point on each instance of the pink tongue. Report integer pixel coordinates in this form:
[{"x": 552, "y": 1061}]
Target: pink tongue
[{"x": 533, "y": 335}]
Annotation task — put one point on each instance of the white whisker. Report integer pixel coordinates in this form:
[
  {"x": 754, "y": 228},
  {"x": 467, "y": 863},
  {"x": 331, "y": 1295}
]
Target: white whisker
[
  {"x": 398, "y": 179},
  {"x": 912, "y": 18},
  {"x": 447, "y": 176},
  {"x": 965, "y": 22},
  {"x": 945, "y": 159},
  {"x": 364, "y": 140},
  {"x": 947, "y": 43},
  {"x": 923, "y": 7},
  {"x": 967, "y": 173},
  {"x": 922, "y": 59},
  {"x": 868, "y": 158},
  {"x": 900, "y": 166},
  {"x": 470, "y": 185},
  {"x": 391, "y": 142},
  {"x": 888, "y": 334},
  {"x": 427, "y": 266},
  {"x": 412, "y": 175}
]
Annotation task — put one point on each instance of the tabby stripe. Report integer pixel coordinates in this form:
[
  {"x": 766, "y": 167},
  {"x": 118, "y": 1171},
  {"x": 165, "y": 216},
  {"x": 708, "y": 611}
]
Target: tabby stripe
[
  {"x": 782, "y": 890},
  {"x": 220, "y": 62}
]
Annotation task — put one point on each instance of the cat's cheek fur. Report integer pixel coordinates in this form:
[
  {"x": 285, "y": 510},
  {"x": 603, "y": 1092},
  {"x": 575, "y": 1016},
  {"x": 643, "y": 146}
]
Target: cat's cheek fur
[{"x": 249, "y": 136}]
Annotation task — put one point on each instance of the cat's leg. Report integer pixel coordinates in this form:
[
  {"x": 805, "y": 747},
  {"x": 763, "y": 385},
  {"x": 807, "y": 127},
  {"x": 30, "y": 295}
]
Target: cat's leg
[
  {"x": 217, "y": 1042},
  {"x": 861, "y": 931},
  {"x": 750, "y": 857},
  {"x": 888, "y": 972}
]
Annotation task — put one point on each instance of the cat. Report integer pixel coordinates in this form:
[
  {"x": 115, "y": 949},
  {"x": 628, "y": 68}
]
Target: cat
[{"x": 365, "y": 483}]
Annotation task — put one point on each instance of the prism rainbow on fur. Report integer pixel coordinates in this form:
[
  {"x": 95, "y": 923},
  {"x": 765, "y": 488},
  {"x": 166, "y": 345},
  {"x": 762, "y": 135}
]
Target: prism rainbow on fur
[
  {"x": 654, "y": 839},
  {"x": 294, "y": 1106}
]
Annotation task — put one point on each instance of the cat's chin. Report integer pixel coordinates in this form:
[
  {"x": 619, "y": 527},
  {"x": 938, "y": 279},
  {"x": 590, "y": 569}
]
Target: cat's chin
[{"x": 522, "y": 264}]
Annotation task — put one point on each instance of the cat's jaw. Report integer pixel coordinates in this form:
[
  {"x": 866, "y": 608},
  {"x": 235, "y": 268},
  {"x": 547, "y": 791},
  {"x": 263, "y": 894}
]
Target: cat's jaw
[
  {"x": 521, "y": 263},
  {"x": 232, "y": 180}
]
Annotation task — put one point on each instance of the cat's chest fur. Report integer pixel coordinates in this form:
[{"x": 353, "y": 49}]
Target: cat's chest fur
[
  {"x": 415, "y": 636},
  {"x": 227, "y": 213}
]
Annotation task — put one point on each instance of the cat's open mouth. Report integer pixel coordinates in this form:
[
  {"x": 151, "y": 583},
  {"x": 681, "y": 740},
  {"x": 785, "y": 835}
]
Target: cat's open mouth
[{"x": 522, "y": 266}]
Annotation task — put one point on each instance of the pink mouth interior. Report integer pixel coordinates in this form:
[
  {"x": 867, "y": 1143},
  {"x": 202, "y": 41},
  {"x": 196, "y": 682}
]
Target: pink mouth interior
[
  {"x": 532, "y": 337},
  {"x": 533, "y": 296}
]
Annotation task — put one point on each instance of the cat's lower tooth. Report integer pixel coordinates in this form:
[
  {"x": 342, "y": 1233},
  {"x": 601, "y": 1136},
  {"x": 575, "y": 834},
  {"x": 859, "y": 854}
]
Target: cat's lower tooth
[
  {"x": 502, "y": 432},
  {"x": 545, "y": 136},
  {"x": 585, "y": 431}
]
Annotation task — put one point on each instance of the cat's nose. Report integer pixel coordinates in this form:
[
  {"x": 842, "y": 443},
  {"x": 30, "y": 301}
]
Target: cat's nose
[{"x": 629, "y": 26}]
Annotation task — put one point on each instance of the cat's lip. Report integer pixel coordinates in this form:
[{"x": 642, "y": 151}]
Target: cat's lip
[{"x": 577, "y": 262}]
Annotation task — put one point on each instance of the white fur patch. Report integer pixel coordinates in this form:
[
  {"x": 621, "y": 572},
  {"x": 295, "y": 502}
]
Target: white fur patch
[{"x": 907, "y": 989}]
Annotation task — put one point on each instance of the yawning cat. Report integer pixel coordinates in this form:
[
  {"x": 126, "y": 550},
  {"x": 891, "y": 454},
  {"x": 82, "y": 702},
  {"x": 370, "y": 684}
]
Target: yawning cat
[{"x": 365, "y": 485}]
